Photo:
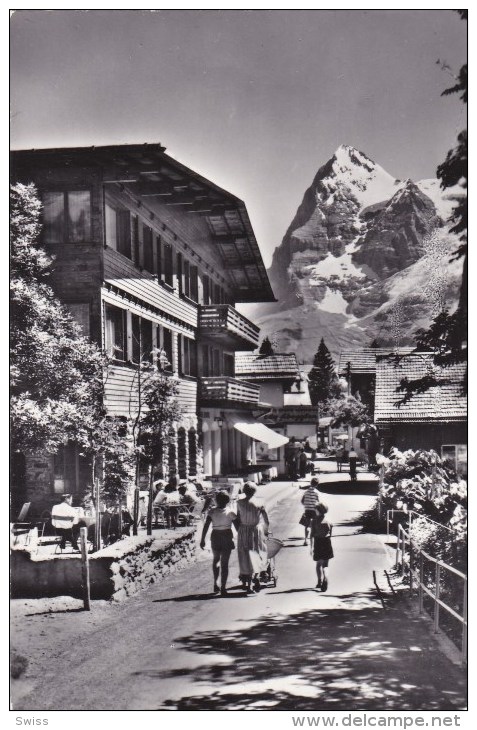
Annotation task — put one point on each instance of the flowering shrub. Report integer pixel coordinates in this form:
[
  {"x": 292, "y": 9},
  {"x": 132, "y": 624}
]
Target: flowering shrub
[{"x": 422, "y": 482}]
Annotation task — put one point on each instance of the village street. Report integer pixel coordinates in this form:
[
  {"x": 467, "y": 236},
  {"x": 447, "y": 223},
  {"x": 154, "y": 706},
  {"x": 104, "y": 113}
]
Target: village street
[{"x": 176, "y": 646}]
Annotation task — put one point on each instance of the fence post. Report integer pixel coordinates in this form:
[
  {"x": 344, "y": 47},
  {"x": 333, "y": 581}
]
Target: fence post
[
  {"x": 411, "y": 561},
  {"x": 396, "y": 564},
  {"x": 421, "y": 581},
  {"x": 437, "y": 594},
  {"x": 403, "y": 552},
  {"x": 85, "y": 568},
  {"x": 464, "y": 625}
]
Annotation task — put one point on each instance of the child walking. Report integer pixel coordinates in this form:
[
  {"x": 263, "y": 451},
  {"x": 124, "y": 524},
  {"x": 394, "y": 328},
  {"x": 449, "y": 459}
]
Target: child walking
[{"x": 320, "y": 533}]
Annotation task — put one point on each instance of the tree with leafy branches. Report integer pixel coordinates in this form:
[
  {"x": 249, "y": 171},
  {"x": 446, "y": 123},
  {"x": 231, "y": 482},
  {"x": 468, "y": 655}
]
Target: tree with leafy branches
[
  {"x": 155, "y": 412},
  {"x": 56, "y": 373},
  {"x": 446, "y": 337},
  {"x": 348, "y": 411},
  {"x": 323, "y": 381}
]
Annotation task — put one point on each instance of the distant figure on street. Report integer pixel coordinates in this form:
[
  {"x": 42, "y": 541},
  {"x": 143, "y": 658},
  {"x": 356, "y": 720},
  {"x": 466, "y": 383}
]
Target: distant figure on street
[
  {"x": 353, "y": 460},
  {"x": 339, "y": 458},
  {"x": 221, "y": 518},
  {"x": 63, "y": 517},
  {"x": 142, "y": 511},
  {"x": 309, "y": 500},
  {"x": 320, "y": 533},
  {"x": 303, "y": 463}
]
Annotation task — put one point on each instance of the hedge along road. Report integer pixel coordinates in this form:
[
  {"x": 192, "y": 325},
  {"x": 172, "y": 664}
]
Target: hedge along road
[{"x": 176, "y": 646}]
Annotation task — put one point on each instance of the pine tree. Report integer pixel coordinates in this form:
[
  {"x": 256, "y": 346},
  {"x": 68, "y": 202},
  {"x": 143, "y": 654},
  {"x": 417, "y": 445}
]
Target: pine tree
[
  {"x": 266, "y": 348},
  {"x": 322, "y": 379},
  {"x": 56, "y": 373}
]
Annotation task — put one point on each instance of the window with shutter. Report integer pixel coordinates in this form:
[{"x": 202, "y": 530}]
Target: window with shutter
[
  {"x": 136, "y": 338},
  {"x": 118, "y": 229},
  {"x": 167, "y": 265},
  {"x": 148, "y": 250},
  {"x": 206, "y": 290},
  {"x": 194, "y": 284},
  {"x": 135, "y": 240}
]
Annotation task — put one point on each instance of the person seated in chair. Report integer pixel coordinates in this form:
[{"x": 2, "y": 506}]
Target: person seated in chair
[{"x": 63, "y": 517}]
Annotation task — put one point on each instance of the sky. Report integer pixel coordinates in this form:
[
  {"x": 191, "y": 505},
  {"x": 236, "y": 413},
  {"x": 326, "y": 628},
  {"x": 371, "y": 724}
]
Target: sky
[{"x": 256, "y": 101}]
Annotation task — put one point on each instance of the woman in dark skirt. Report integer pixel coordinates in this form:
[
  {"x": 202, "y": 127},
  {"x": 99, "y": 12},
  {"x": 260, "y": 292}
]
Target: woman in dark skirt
[
  {"x": 320, "y": 533},
  {"x": 221, "y": 518}
]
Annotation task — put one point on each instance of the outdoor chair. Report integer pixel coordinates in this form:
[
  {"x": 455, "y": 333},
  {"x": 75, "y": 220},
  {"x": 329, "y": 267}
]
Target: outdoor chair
[{"x": 20, "y": 527}]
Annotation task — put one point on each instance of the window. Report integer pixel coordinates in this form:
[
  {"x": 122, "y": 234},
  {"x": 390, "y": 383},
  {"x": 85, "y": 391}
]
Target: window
[
  {"x": 190, "y": 279},
  {"x": 67, "y": 216},
  {"x": 194, "y": 284},
  {"x": 205, "y": 360},
  {"x": 148, "y": 250},
  {"x": 141, "y": 339},
  {"x": 457, "y": 455},
  {"x": 216, "y": 362},
  {"x": 118, "y": 230},
  {"x": 188, "y": 356},
  {"x": 229, "y": 365},
  {"x": 115, "y": 321},
  {"x": 167, "y": 265},
  {"x": 206, "y": 289},
  {"x": 164, "y": 342},
  {"x": 135, "y": 240}
]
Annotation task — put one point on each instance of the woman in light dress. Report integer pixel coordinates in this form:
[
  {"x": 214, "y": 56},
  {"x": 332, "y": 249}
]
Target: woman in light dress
[
  {"x": 252, "y": 538},
  {"x": 221, "y": 518}
]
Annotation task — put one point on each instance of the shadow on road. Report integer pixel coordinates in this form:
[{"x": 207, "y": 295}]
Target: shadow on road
[{"x": 350, "y": 658}]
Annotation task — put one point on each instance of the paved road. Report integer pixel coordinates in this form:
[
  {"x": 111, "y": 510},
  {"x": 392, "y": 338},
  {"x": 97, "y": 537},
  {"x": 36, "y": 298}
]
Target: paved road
[{"x": 175, "y": 646}]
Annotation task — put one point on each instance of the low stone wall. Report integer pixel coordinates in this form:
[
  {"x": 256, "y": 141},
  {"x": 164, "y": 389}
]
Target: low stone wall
[{"x": 116, "y": 572}]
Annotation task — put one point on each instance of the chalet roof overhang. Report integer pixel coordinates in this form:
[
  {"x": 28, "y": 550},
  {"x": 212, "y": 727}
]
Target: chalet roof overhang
[
  {"x": 406, "y": 419},
  {"x": 150, "y": 173},
  {"x": 254, "y": 377}
]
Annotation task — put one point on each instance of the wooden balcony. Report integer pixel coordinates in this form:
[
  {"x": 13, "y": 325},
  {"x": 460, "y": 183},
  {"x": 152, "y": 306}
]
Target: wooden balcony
[
  {"x": 222, "y": 322},
  {"x": 222, "y": 390}
]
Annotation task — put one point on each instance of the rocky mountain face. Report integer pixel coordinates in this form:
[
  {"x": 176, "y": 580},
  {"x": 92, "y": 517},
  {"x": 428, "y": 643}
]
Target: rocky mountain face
[{"x": 366, "y": 257}]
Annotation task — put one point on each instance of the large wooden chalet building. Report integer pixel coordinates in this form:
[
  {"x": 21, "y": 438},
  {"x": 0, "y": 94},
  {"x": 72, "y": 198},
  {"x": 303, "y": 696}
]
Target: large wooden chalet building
[{"x": 147, "y": 251}]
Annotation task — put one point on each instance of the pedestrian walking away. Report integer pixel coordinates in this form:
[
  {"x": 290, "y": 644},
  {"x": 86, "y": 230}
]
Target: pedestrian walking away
[
  {"x": 339, "y": 458},
  {"x": 309, "y": 500},
  {"x": 302, "y": 463},
  {"x": 322, "y": 550},
  {"x": 252, "y": 538},
  {"x": 221, "y": 518},
  {"x": 353, "y": 460}
]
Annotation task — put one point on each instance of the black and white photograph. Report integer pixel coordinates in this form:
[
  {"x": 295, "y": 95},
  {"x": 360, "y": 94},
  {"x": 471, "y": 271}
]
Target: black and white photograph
[{"x": 238, "y": 365}]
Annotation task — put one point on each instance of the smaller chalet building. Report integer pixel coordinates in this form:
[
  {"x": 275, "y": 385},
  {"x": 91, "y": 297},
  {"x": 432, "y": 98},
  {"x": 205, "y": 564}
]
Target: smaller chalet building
[
  {"x": 284, "y": 388},
  {"x": 275, "y": 374},
  {"x": 436, "y": 419}
]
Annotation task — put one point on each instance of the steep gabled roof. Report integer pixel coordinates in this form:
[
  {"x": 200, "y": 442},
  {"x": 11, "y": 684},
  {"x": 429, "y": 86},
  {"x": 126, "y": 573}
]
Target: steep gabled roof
[
  {"x": 438, "y": 404},
  {"x": 364, "y": 360},
  {"x": 272, "y": 367}
]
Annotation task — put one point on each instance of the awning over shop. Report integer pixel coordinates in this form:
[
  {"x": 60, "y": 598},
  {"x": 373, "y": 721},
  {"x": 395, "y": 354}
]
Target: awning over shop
[{"x": 260, "y": 432}]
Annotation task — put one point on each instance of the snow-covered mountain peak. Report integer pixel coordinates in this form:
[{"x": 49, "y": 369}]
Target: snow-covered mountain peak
[{"x": 368, "y": 182}]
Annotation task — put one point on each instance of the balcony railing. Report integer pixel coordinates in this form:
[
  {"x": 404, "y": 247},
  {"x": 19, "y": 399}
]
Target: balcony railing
[
  {"x": 222, "y": 390},
  {"x": 225, "y": 322}
]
